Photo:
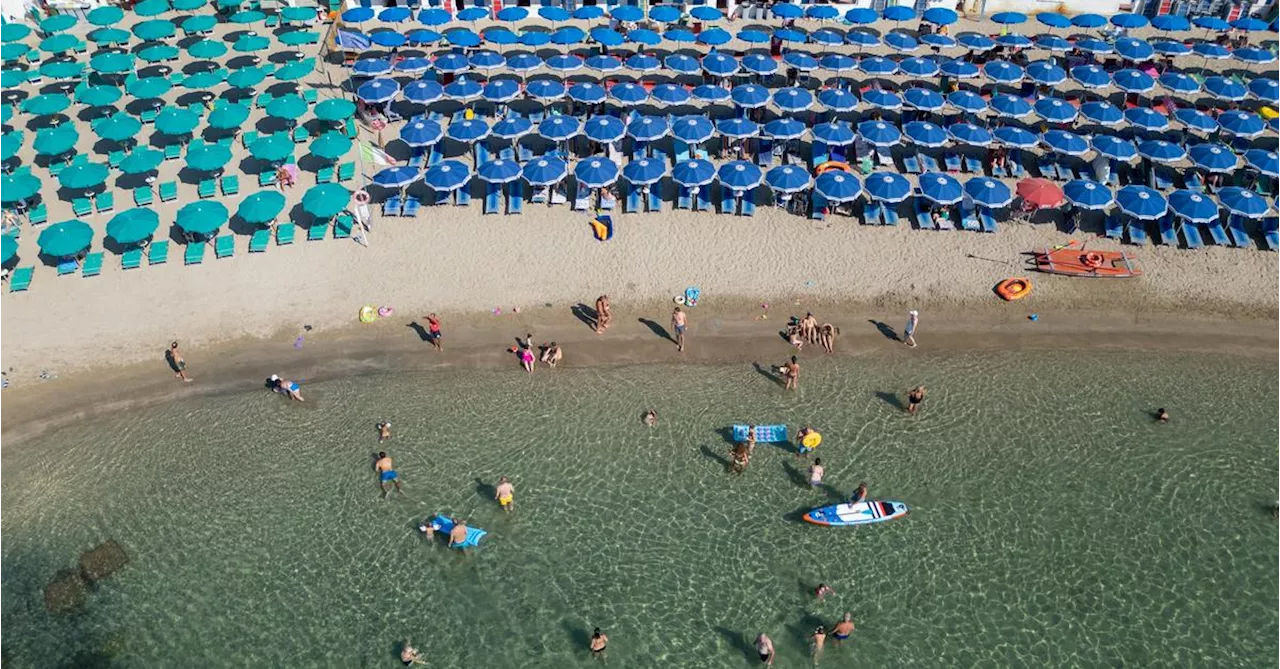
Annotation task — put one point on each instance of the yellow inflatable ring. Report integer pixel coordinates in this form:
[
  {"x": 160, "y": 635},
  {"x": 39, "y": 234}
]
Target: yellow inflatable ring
[
  {"x": 811, "y": 440},
  {"x": 368, "y": 314}
]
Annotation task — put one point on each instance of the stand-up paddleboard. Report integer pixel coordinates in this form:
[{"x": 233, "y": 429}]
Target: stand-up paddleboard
[
  {"x": 445, "y": 525},
  {"x": 765, "y": 434},
  {"x": 861, "y": 513}
]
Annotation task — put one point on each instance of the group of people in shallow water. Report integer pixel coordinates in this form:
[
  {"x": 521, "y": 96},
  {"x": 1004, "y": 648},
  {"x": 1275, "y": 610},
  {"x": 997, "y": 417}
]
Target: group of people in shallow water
[{"x": 818, "y": 640}]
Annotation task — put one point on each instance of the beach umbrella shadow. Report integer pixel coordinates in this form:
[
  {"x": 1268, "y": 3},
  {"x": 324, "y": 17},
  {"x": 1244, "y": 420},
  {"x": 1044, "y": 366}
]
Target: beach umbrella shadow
[
  {"x": 154, "y": 71},
  {"x": 90, "y": 114},
  {"x": 242, "y": 61}
]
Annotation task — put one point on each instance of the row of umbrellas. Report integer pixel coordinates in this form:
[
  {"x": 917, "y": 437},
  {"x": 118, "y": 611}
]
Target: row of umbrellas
[
  {"x": 107, "y": 17},
  {"x": 1145, "y": 203}
]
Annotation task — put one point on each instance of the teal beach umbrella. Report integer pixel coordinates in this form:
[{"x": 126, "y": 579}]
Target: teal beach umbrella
[
  {"x": 8, "y": 247},
  {"x": 108, "y": 36},
  {"x": 261, "y": 207},
  {"x": 80, "y": 176},
  {"x": 133, "y": 225},
  {"x": 330, "y": 146},
  {"x": 159, "y": 53},
  {"x": 117, "y": 128},
  {"x": 10, "y": 142},
  {"x": 199, "y": 24},
  {"x": 189, "y": 5},
  {"x": 55, "y": 141},
  {"x": 105, "y": 16},
  {"x": 272, "y": 149},
  {"x": 65, "y": 239},
  {"x": 173, "y": 121},
  {"x": 60, "y": 43},
  {"x": 6, "y": 113},
  {"x": 111, "y": 63},
  {"x": 13, "y": 79},
  {"x": 156, "y": 29},
  {"x": 287, "y": 107},
  {"x": 296, "y": 70},
  {"x": 208, "y": 157},
  {"x": 151, "y": 8},
  {"x": 246, "y": 77},
  {"x": 57, "y": 23},
  {"x": 14, "y": 32},
  {"x": 249, "y": 43},
  {"x": 298, "y": 13},
  {"x": 13, "y": 51},
  {"x": 202, "y": 217},
  {"x": 336, "y": 109},
  {"x": 97, "y": 96},
  {"x": 325, "y": 200},
  {"x": 43, "y": 105},
  {"x": 203, "y": 80},
  {"x": 227, "y": 116},
  {"x": 298, "y": 37},
  {"x": 147, "y": 88},
  {"x": 141, "y": 161},
  {"x": 62, "y": 69},
  {"x": 18, "y": 187},
  {"x": 206, "y": 49},
  {"x": 247, "y": 17}
]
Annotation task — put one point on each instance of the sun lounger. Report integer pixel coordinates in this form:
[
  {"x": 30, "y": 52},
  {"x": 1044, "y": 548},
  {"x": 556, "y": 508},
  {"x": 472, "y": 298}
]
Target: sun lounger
[
  {"x": 105, "y": 201},
  {"x": 230, "y": 184},
  {"x": 462, "y": 196},
  {"x": 207, "y": 189},
  {"x": 681, "y": 151},
  {"x": 1015, "y": 163},
  {"x": 168, "y": 191},
  {"x": 317, "y": 231},
  {"x": 631, "y": 200},
  {"x": 158, "y": 252},
  {"x": 1218, "y": 234},
  {"x": 285, "y": 234},
  {"x": 81, "y": 207},
  {"x": 92, "y": 264},
  {"x": 819, "y": 154},
  {"x": 266, "y": 178},
  {"x": 115, "y": 158},
  {"x": 1235, "y": 226},
  {"x": 749, "y": 203},
  {"x": 526, "y": 154},
  {"x": 951, "y": 160},
  {"x": 704, "y": 199},
  {"x": 131, "y": 259},
  {"x": 923, "y": 220},
  {"x": 492, "y": 198},
  {"x": 910, "y": 162},
  {"x": 655, "y": 195},
  {"x": 38, "y": 214},
  {"x": 891, "y": 214},
  {"x": 342, "y": 225},
  {"x": 1161, "y": 178},
  {"x": 20, "y": 280},
  {"x": 346, "y": 171},
  {"x": 972, "y": 164},
  {"x": 515, "y": 198},
  {"x": 969, "y": 216},
  {"x": 411, "y": 206},
  {"x": 194, "y": 254},
  {"x": 684, "y": 200},
  {"x": 391, "y": 206},
  {"x": 1168, "y": 233},
  {"x": 224, "y": 246},
  {"x": 1114, "y": 226},
  {"x": 927, "y": 162},
  {"x": 945, "y": 223},
  {"x": 142, "y": 196},
  {"x": 350, "y": 128},
  {"x": 764, "y": 153},
  {"x": 728, "y": 203},
  {"x": 987, "y": 219},
  {"x": 817, "y": 206},
  {"x": 1137, "y": 231},
  {"x": 873, "y": 213},
  {"x": 56, "y": 168},
  {"x": 1191, "y": 235},
  {"x": 1113, "y": 172},
  {"x": 172, "y": 151},
  {"x": 1271, "y": 232},
  {"x": 260, "y": 240},
  {"x": 1048, "y": 166}
]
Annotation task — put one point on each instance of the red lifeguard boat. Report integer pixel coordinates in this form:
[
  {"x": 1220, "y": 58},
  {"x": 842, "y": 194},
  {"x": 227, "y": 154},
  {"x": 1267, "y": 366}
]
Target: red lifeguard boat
[{"x": 1076, "y": 261}]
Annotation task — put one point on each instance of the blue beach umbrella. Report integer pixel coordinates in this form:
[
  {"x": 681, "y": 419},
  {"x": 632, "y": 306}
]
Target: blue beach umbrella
[
  {"x": 987, "y": 192},
  {"x": 447, "y": 176},
  {"x": 835, "y": 133},
  {"x": 1087, "y": 194},
  {"x": 705, "y": 13},
  {"x": 378, "y": 90},
  {"x": 545, "y": 89},
  {"x": 1116, "y": 148},
  {"x": 834, "y": 99},
  {"x": 821, "y": 12},
  {"x": 879, "y": 133},
  {"x": 512, "y": 127},
  {"x": 1267, "y": 162},
  {"x": 1146, "y": 118},
  {"x": 722, "y": 65},
  {"x": 898, "y": 13},
  {"x": 413, "y": 65},
  {"x": 751, "y": 95},
  {"x": 1265, "y": 89},
  {"x": 500, "y": 36},
  {"x": 968, "y": 133},
  {"x": 107, "y": 36},
  {"x": 470, "y": 14},
  {"x": 1253, "y": 56},
  {"x": 940, "y": 188},
  {"x": 1095, "y": 46},
  {"x": 647, "y": 128},
  {"x": 565, "y": 63},
  {"x": 967, "y": 101},
  {"x": 878, "y": 66},
  {"x": 975, "y": 42},
  {"x": 1055, "y": 110},
  {"x": 861, "y": 16},
  {"x": 1053, "y": 20},
  {"x": 714, "y": 37},
  {"x": 559, "y": 128},
  {"x": 838, "y": 187},
  {"x": 1015, "y": 137},
  {"x": 682, "y": 63},
  {"x": 1053, "y": 43},
  {"x": 398, "y": 14},
  {"x": 629, "y": 13},
  {"x": 940, "y": 16},
  {"x": 1170, "y": 48},
  {"x": 16, "y": 32},
  {"x": 740, "y": 175},
  {"x": 603, "y": 64},
  {"x": 924, "y": 133},
  {"x": 691, "y": 173},
  {"x": 1213, "y": 157},
  {"x": 468, "y": 131},
  {"x": 628, "y": 94},
  {"x": 587, "y": 93},
  {"x": 1211, "y": 51},
  {"x": 644, "y": 36},
  {"x": 450, "y": 63},
  {"x": 462, "y": 38},
  {"x": 534, "y": 38},
  {"x": 800, "y": 60},
  {"x": 9, "y": 249},
  {"x": 45, "y": 104},
  {"x": 434, "y": 16},
  {"x": 669, "y": 94},
  {"x": 758, "y": 63},
  {"x": 357, "y": 15},
  {"x": 828, "y": 37},
  {"x": 787, "y": 179},
  {"x": 1065, "y": 142},
  {"x": 1178, "y": 82},
  {"x": 938, "y": 41},
  {"x": 423, "y": 92},
  {"x": 862, "y": 39},
  {"x": 1088, "y": 21},
  {"x": 18, "y": 186},
  {"x": 421, "y": 132},
  {"x": 486, "y": 60},
  {"x": 1010, "y": 106},
  {"x": 117, "y": 128},
  {"x": 918, "y": 67},
  {"x": 55, "y": 141},
  {"x": 1101, "y": 112},
  {"x": 692, "y": 129},
  {"x": 959, "y": 69},
  {"x": 1241, "y": 123},
  {"x": 882, "y": 99},
  {"x": 1133, "y": 81},
  {"x": 1223, "y": 88},
  {"x": 887, "y": 186},
  {"x": 1002, "y": 71},
  {"x": 141, "y": 161},
  {"x": 792, "y": 99},
  {"x": 1014, "y": 41},
  {"x": 1009, "y": 18},
  {"x": 604, "y": 129},
  {"x": 1141, "y": 202},
  {"x": 501, "y": 90},
  {"x": 1194, "y": 206},
  {"x": 1243, "y": 202},
  {"x": 753, "y": 36},
  {"x": 463, "y": 89},
  {"x": 1091, "y": 76},
  {"x": 784, "y": 128},
  {"x": 737, "y": 127},
  {"x": 1249, "y": 24},
  {"x": 643, "y": 61},
  {"x": 544, "y": 171},
  {"x": 900, "y": 42},
  {"x": 923, "y": 99},
  {"x": 1170, "y": 23},
  {"x": 523, "y": 62},
  {"x": 644, "y": 171},
  {"x": 781, "y": 10},
  {"x": 1046, "y": 73},
  {"x": 1134, "y": 49},
  {"x": 513, "y": 14},
  {"x": 499, "y": 171},
  {"x": 1126, "y": 20},
  {"x": 1161, "y": 151},
  {"x": 371, "y": 67},
  {"x": 568, "y": 35}
]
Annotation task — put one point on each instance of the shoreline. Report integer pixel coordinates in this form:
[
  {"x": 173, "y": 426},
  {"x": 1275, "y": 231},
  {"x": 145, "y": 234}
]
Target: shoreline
[{"x": 725, "y": 333}]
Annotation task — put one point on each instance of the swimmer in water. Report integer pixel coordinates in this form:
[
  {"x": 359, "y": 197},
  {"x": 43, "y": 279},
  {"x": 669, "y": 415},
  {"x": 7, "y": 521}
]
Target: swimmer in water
[
  {"x": 751, "y": 439},
  {"x": 741, "y": 457},
  {"x": 505, "y": 494},
  {"x": 815, "y": 473},
  {"x": 458, "y": 535},
  {"x": 819, "y": 638},
  {"x": 599, "y": 641},
  {"x": 651, "y": 418},
  {"x": 823, "y": 590},
  {"x": 914, "y": 398},
  {"x": 1162, "y": 416},
  {"x": 764, "y": 647},
  {"x": 384, "y": 431},
  {"x": 844, "y": 628},
  {"x": 410, "y": 655},
  {"x": 290, "y": 388},
  {"x": 803, "y": 451},
  {"x": 386, "y": 474},
  {"x": 859, "y": 495}
]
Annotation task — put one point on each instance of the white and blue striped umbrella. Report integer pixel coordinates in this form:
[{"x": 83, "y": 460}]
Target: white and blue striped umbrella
[
  {"x": 758, "y": 63},
  {"x": 1015, "y": 137},
  {"x": 604, "y": 63},
  {"x": 968, "y": 133},
  {"x": 959, "y": 69},
  {"x": 940, "y": 188},
  {"x": 545, "y": 171},
  {"x": 835, "y": 133},
  {"x": 648, "y": 128},
  {"x": 838, "y": 186},
  {"x": 1161, "y": 151},
  {"x": 899, "y": 41},
  {"x": 1141, "y": 202},
  {"x": 1267, "y": 162},
  {"x": 1265, "y": 89},
  {"x": 559, "y": 128},
  {"x": 1014, "y": 41},
  {"x": 628, "y": 94},
  {"x": 486, "y": 60},
  {"x": 587, "y": 93},
  {"x": 1002, "y": 71},
  {"x": 1010, "y": 106},
  {"x": 1167, "y": 47},
  {"x": 512, "y": 127},
  {"x": 371, "y": 67},
  {"x": 975, "y": 42},
  {"x": 784, "y": 128},
  {"x": 737, "y": 127},
  {"x": 711, "y": 93},
  {"x": 547, "y": 90},
  {"x": 413, "y": 65},
  {"x": 1213, "y": 157},
  {"x": 669, "y": 94},
  {"x": 939, "y": 41},
  {"x": 838, "y": 62},
  {"x": 751, "y": 95},
  {"x": 1194, "y": 119},
  {"x": 1178, "y": 82},
  {"x": 1116, "y": 148},
  {"x": 740, "y": 175},
  {"x": 521, "y": 63},
  {"x": 967, "y": 101},
  {"x": 1045, "y": 72},
  {"x": 879, "y": 98},
  {"x": 1091, "y": 76},
  {"x": 397, "y": 177},
  {"x": 1065, "y": 142},
  {"x": 1254, "y": 56},
  {"x": 378, "y": 90},
  {"x": 988, "y": 192},
  {"x": 1211, "y": 51},
  {"x": 501, "y": 90},
  {"x": 565, "y": 63},
  {"x": 878, "y": 66},
  {"x": 447, "y": 176},
  {"x": 792, "y": 99},
  {"x": 421, "y": 132},
  {"x": 682, "y": 63},
  {"x": 692, "y": 129},
  {"x": 924, "y": 133},
  {"x": 596, "y": 172},
  {"x": 692, "y": 173},
  {"x": 1134, "y": 49},
  {"x": 923, "y": 99},
  {"x": 834, "y": 99},
  {"x": 719, "y": 64},
  {"x": 1102, "y": 112},
  {"x": 827, "y": 36},
  {"x": 787, "y": 179},
  {"x": 1088, "y": 194},
  {"x": 604, "y": 129},
  {"x": 1055, "y": 110},
  {"x": 1094, "y": 46},
  {"x": 499, "y": 171},
  {"x": 1146, "y": 118},
  {"x": 800, "y": 61},
  {"x": 1223, "y": 88},
  {"x": 879, "y": 133},
  {"x": 1052, "y": 43},
  {"x": 862, "y": 39},
  {"x": 1241, "y": 123},
  {"x": 887, "y": 186},
  {"x": 451, "y": 63},
  {"x": 1193, "y": 206},
  {"x": 644, "y": 171},
  {"x": 642, "y": 62},
  {"x": 423, "y": 92},
  {"x": 919, "y": 66},
  {"x": 1133, "y": 81},
  {"x": 1243, "y": 202}
]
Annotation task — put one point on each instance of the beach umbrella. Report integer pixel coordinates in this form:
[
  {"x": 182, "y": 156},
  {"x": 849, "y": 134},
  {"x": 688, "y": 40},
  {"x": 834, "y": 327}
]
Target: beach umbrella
[
  {"x": 1249, "y": 24},
  {"x": 940, "y": 16},
  {"x": 879, "y": 133},
  {"x": 1009, "y": 18},
  {"x": 923, "y": 99},
  {"x": 900, "y": 42},
  {"x": 208, "y": 157},
  {"x": 740, "y": 175},
  {"x": 108, "y": 36},
  {"x": 898, "y": 13},
  {"x": 330, "y": 146},
  {"x": 260, "y": 208},
  {"x": 1146, "y": 118},
  {"x": 886, "y": 186},
  {"x": 1194, "y": 206},
  {"x": 421, "y": 132},
  {"x": 151, "y": 8},
  {"x": 117, "y": 128},
  {"x": 1053, "y": 20},
  {"x": 967, "y": 101},
  {"x": 473, "y": 130},
  {"x": 1253, "y": 55},
  {"x": 501, "y": 90},
  {"x": 174, "y": 121},
  {"x": 827, "y": 36},
  {"x": 287, "y": 107},
  {"x": 975, "y": 42},
  {"x": 751, "y": 95},
  {"x": 1047, "y": 73},
  {"x": 968, "y": 133},
  {"x": 787, "y": 179},
  {"x": 134, "y": 225},
  {"x": 628, "y": 94},
  {"x": 603, "y": 64},
  {"x": 959, "y": 69},
  {"x": 861, "y": 15},
  {"x": 55, "y": 141},
  {"x": 1002, "y": 71},
  {"x": 111, "y": 63},
  {"x": 938, "y": 41},
  {"x": 1015, "y": 137},
  {"x": 1133, "y": 81},
  {"x": 986, "y": 192},
  {"x": 61, "y": 69},
  {"x": 512, "y": 127},
  {"x": 835, "y": 133},
  {"x": 486, "y": 60},
  {"x": 604, "y": 129},
  {"x": 1040, "y": 193},
  {"x": 792, "y": 99},
  {"x": 628, "y": 13},
  {"x": 513, "y": 14},
  {"x": 16, "y": 187},
  {"x": 1052, "y": 43},
  {"x": 568, "y": 35},
  {"x": 524, "y": 62},
  {"x": 834, "y": 99},
  {"x": 877, "y": 66},
  {"x": 596, "y": 172},
  {"x": 1168, "y": 48},
  {"x": 753, "y": 36},
  {"x": 1161, "y": 151},
  {"x": 336, "y": 109},
  {"x": 1126, "y": 20},
  {"x": 65, "y": 239},
  {"x": 644, "y": 171},
  {"x": 682, "y": 63},
  {"x": 8, "y": 247},
  {"x": 587, "y": 93},
  {"x": 251, "y": 43},
  {"x": 713, "y": 37},
  {"x": 692, "y": 129},
  {"x": 862, "y": 39},
  {"x": 544, "y": 171},
  {"x": 1141, "y": 202},
  {"x": 882, "y": 99},
  {"x": 16, "y": 78},
  {"x": 199, "y": 24},
  {"x": 63, "y": 22},
  {"x": 821, "y": 12},
  {"x": 643, "y": 61},
  {"x": 1134, "y": 49},
  {"x": 1241, "y": 123},
  {"x": 924, "y": 133},
  {"x": 1211, "y": 51},
  {"x": 327, "y": 200},
  {"x": 297, "y": 14},
  {"x": 59, "y": 44},
  {"x": 705, "y": 13},
  {"x": 206, "y": 49},
  {"x": 299, "y": 69},
  {"x": 1266, "y": 162},
  {"x": 1101, "y": 112},
  {"x": 644, "y": 36},
  {"x": 397, "y": 177},
  {"x": 423, "y": 92},
  {"x": 357, "y": 15},
  {"x": 940, "y": 188},
  {"x": 1170, "y": 23},
  {"x": 693, "y": 173},
  {"x": 1055, "y": 110},
  {"x": 1088, "y": 21},
  {"x": 16, "y": 32},
  {"x": 1014, "y": 41},
  {"x": 147, "y": 88},
  {"x": 46, "y": 104},
  {"x": 1114, "y": 147},
  {"x": 154, "y": 30},
  {"x": 800, "y": 61},
  {"x": 718, "y": 64},
  {"x": 379, "y": 90},
  {"x": 559, "y": 128},
  {"x": 202, "y": 80},
  {"x": 1091, "y": 76},
  {"x": 1178, "y": 82},
  {"x": 13, "y": 51},
  {"x": 709, "y": 93},
  {"x": 462, "y": 38},
  {"x": 271, "y": 148},
  {"x": 1266, "y": 90},
  {"x": 413, "y": 65},
  {"x": 545, "y": 89},
  {"x": 780, "y": 10},
  {"x": 918, "y": 67},
  {"x": 1223, "y": 88},
  {"x": 202, "y": 217},
  {"x": 1243, "y": 202},
  {"x": 499, "y": 171},
  {"x": 1011, "y": 106},
  {"x": 1065, "y": 142},
  {"x": 434, "y": 16},
  {"x": 141, "y": 161},
  {"x": 451, "y": 63},
  {"x": 10, "y": 143},
  {"x": 784, "y": 128},
  {"x": 1087, "y": 194},
  {"x": 1211, "y": 23}
]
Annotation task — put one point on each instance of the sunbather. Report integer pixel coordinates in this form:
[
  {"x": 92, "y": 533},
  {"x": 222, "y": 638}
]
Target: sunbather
[
  {"x": 552, "y": 354},
  {"x": 290, "y": 388}
]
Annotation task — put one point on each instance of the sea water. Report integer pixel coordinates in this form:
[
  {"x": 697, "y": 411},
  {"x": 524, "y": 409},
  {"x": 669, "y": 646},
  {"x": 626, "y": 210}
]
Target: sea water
[{"x": 1053, "y": 522}]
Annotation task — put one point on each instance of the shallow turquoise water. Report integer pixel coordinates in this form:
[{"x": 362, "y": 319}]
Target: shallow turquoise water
[{"x": 1053, "y": 523}]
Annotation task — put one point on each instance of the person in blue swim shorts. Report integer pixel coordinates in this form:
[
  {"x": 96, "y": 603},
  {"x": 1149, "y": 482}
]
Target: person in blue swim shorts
[{"x": 386, "y": 473}]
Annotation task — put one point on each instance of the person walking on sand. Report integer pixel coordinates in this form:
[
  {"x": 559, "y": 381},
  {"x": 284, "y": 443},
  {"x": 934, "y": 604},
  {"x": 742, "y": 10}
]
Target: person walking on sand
[
  {"x": 386, "y": 474},
  {"x": 505, "y": 494},
  {"x": 909, "y": 333},
  {"x": 552, "y": 355},
  {"x": 433, "y": 331},
  {"x": 599, "y": 641},
  {"x": 603, "y": 315},
  {"x": 177, "y": 362},
  {"x": 764, "y": 647},
  {"x": 827, "y": 337},
  {"x": 844, "y": 628},
  {"x": 678, "y": 323},
  {"x": 914, "y": 398},
  {"x": 791, "y": 372}
]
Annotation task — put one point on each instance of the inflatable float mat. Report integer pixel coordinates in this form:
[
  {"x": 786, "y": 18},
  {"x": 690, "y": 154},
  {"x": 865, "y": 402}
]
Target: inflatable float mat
[
  {"x": 765, "y": 434},
  {"x": 602, "y": 227},
  {"x": 445, "y": 525}
]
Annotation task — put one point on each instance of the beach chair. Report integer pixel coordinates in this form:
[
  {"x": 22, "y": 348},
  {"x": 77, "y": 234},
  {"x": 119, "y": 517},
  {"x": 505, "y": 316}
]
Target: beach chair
[
  {"x": 997, "y": 171},
  {"x": 131, "y": 259},
  {"x": 1191, "y": 235},
  {"x": 1218, "y": 233},
  {"x": 317, "y": 231},
  {"x": 728, "y": 203},
  {"x": 411, "y": 206},
  {"x": 972, "y": 163},
  {"x": 462, "y": 196},
  {"x": 1113, "y": 172},
  {"x": 392, "y": 206},
  {"x": 927, "y": 162},
  {"x": 817, "y": 206},
  {"x": 20, "y": 280},
  {"x": 1271, "y": 232},
  {"x": 248, "y": 137},
  {"x": 987, "y": 219},
  {"x": 224, "y": 246},
  {"x": 350, "y": 128},
  {"x": 194, "y": 254},
  {"x": 1015, "y": 163},
  {"x": 285, "y": 234},
  {"x": 148, "y": 115},
  {"x": 703, "y": 202},
  {"x": 819, "y": 155},
  {"x": 325, "y": 175},
  {"x": 266, "y": 178},
  {"x": 911, "y": 162},
  {"x": 1235, "y": 226},
  {"x": 631, "y": 198},
  {"x": 142, "y": 196},
  {"x": 105, "y": 201},
  {"x": 492, "y": 198},
  {"x": 81, "y": 207},
  {"x": 38, "y": 214},
  {"x": 260, "y": 240},
  {"x": 207, "y": 189},
  {"x": 230, "y": 184},
  {"x": 891, "y": 214},
  {"x": 969, "y": 216},
  {"x": 1114, "y": 225},
  {"x": 525, "y": 153},
  {"x": 924, "y": 220},
  {"x": 310, "y": 95},
  {"x": 342, "y": 226},
  {"x": 168, "y": 191},
  {"x": 1161, "y": 178},
  {"x": 92, "y": 265},
  {"x": 68, "y": 266},
  {"x": 346, "y": 171},
  {"x": 1168, "y": 232},
  {"x": 749, "y": 203},
  {"x": 655, "y": 195},
  {"x": 56, "y": 168},
  {"x": 1137, "y": 233},
  {"x": 515, "y": 198},
  {"x": 873, "y": 213},
  {"x": 951, "y": 160},
  {"x": 300, "y": 134},
  {"x": 681, "y": 151},
  {"x": 764, "y": 152},
  {"x": 1048, "y": 166},
  {"x": 684, "y": 200},
  {"x": 158, "y": 252},
  {"x": 172, "y": 151},
  {"x": 262, "y": 100},
  {"x": 115, "y": 158}
]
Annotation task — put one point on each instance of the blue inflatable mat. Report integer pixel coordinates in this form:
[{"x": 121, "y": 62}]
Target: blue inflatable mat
[
  {"x": 765, "y": 434},
  {"x": 445, "y": 525}
]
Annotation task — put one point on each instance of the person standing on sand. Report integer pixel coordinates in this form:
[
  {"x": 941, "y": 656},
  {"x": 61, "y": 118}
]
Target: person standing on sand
[
  {"x": 914, "y": 398},
  {"x": 791, "y": 371},
  {"x": 909, "y": 333},
  {"x": 177, "y": 362},
  {"x": 386, "y": 473},
  {"x": 678, "y": 323},
  {"x": 764, "y": 647},
  {"x": 433, "y": 331},
  {"x": 505, "y": 494},
  {"x": 603, "y": 315}
]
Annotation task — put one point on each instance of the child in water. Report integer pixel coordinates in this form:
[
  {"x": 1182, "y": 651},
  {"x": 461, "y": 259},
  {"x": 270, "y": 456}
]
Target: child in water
[
  {"x": 384, "y": 431},
  {"x": 651, "y": 418}
]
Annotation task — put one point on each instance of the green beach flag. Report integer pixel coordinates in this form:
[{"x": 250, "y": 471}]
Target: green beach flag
[
  {"x": 228, "y": 116},
  {"x": 109, "y": 36},
  {"x": 153, "y": 30},
  {"x": 80, "y": 176},
  {"x": 133, "y": 225},
  {"x": 330, "y": 146},
  {"x": 287, "y": 107},
  {"x": 262, "y": 207},
  {"x": 55, "y": 141},
  {"x": 336, "y": 109},
  {"x": 65, "y": 239},
  {"x": 8, "y": 247},
  {"x": 202, "y": 217},
  {"x": 151, "y": 8},
  {"x": 18, "y": 187},
  {"x": 117, "y": 127},
  {"x": 158, "y": 53},
  {"x": 141, "y": 161},
  {"x": 272, "y": 149},
  {"x": 208, "y": 157},
  {"x": 111, "y": 63},
  {"x": 97, "y": 96},
  {"x": 14, "y": 32},
  {"x": 105, "y": 16},
  {"x": 174, "y": 121},
  {"x": 48, "y": 103},
  {"x": 10, "y": 142},
  {"x": 206, "y": 49},
  {"x": 326, "y": 200}
]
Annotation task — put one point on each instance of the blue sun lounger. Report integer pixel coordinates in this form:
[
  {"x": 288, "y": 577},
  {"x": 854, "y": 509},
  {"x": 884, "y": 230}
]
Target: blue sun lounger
[
  {"x": 728, "y": 203},
  {"x": 411, "y": 206},
  {"x": 1114, "y": 226},
  {"x": 463, "y": 195},
  {"x": 873, "y": 213},
  {"x": 1218, "y": 234},
  {"x": 1015, "y": 163},
  {"x": 951, "y": 160},
  {"x": 928, "y": 163},
  {"x": 1191, "y": 235},
  {"x": 891, "y": 213},
  {"x": 911, "y": 162},
  {"x": 816, "y": 204},
  {"x": 969, "y": 216},
  {"x": 1168, "y": 232},
  {"x": 1137, "y": 233},
  {"x": 1271, "y": 232},
  {"x": 1235, "y": 226},
  {"x": 684, "y": 200},
  {"x": 492, "y": 198},
  {"x": 704, "y": 199},
  {"x": 923, "y": 220},
  {"x": 515, "y": 198},
  {"x": 987, "y": 219},
  {"x": 655, "y": 194},
  {"x": 749, "y": 203}
]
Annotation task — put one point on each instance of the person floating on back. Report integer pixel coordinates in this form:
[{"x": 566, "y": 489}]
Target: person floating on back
[{"x": 1162, "y": 416}]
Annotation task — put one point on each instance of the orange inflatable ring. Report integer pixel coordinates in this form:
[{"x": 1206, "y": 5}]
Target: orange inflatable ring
[
  {"x": 1093, "y": 259},
  {"x": 831, "y": 165},
  {"x": 1013, "y": 289}
]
